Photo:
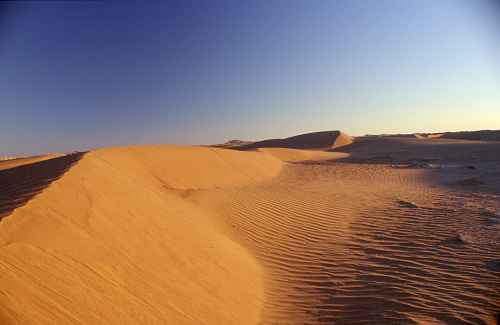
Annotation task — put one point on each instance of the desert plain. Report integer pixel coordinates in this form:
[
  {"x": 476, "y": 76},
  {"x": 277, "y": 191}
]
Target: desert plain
[{"x": 320, "y": 228}]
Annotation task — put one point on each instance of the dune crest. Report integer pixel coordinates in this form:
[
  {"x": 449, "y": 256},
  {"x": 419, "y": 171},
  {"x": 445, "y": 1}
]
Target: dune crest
[
  {"x": 381, "y": 231},
  {"x": 113, "y": 242},
  {"x": 324, "y": 140}
]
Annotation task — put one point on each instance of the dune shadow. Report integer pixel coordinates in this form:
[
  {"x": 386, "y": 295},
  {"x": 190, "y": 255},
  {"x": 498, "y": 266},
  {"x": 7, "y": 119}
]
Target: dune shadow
[
  {"x": 400, "y": 150},
  {"x": 315, "y": 140},
  {"x": 20, "y": 184}
]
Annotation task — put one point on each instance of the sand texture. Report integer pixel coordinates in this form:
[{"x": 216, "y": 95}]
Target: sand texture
[
  {"x": 302, "y": 230},
  {"x": 113, "y": 242}
]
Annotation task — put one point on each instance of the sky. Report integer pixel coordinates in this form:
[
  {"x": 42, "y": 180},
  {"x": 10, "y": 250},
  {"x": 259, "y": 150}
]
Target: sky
[{"x": 76, "y": 75}]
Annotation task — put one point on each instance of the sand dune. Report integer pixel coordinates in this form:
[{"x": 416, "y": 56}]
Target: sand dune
[
  {"x": 429, "y": 135},
  {"x": 113, "y": 242},
  {"x": 380, "y": 231},
  {"x": 339, "y": 247},
  {"x": 483, "y": 135},
  {"x": 317, "y": 140},
  {"x": 232, "y": 144}
]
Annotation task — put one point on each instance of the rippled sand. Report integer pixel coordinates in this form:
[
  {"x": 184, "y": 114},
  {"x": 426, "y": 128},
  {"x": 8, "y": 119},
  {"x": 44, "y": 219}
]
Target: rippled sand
[
  {"x": 342, "y": 245},
  {"x": 382, "y": 231}
]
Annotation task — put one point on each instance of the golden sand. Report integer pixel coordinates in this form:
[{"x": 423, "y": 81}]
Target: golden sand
[{"x": 380, "y": 231}]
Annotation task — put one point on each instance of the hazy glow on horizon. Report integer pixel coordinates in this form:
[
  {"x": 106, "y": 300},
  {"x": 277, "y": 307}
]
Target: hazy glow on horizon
[{"x": 78, "y": 75}]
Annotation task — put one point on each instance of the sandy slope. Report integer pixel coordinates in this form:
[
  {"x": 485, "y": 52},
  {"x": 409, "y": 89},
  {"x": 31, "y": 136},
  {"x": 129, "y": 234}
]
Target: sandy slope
[
  {"x": 113, "y": 242},
  {"x": 297, "y": 155},
  {"x": 376, "y": 239},
  {"x": 382, "y": 231}
]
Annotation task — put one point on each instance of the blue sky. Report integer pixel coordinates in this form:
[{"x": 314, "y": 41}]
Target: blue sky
[{"x": 84, "y": 74}]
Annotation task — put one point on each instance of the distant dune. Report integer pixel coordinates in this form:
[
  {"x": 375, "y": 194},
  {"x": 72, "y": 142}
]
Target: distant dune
[
  {"x": 317, "y": 140},
  {"x": 232, "y": 144},
  {"x": 14, "y": 162},
  {"x": 381, "y": 230},
  {"x": 484, "y": 135}
]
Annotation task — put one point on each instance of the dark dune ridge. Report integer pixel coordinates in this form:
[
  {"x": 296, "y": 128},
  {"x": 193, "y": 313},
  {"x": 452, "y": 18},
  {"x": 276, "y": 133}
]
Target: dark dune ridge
[
  {"x": 480, "y": 135},
  {"x": 403, "y": 149},
  {"x": 20, "y": 184},
  {"x": 316, "y": 140},
  {"x": 483, "y": 135}
]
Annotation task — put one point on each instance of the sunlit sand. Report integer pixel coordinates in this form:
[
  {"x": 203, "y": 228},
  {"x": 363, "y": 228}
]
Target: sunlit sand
[{"x": 319, "y": 228}]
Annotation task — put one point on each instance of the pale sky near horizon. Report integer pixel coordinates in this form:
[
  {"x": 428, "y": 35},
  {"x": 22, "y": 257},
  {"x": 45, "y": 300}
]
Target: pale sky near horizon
[{"x": 85, "y": 74}]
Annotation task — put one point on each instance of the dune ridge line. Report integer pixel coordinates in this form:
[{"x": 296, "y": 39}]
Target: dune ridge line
[{"x": 112, "y": 242}]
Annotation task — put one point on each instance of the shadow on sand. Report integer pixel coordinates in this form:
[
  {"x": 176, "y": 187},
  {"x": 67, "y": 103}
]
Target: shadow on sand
[{"x": 20, "y": 184}]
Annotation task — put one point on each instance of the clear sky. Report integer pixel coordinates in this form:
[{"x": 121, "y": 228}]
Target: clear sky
[{"x": 77, "y": 75}]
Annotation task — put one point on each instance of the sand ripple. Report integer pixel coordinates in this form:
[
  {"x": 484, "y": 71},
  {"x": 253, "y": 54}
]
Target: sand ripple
[{"x": 338, "y": 251}]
